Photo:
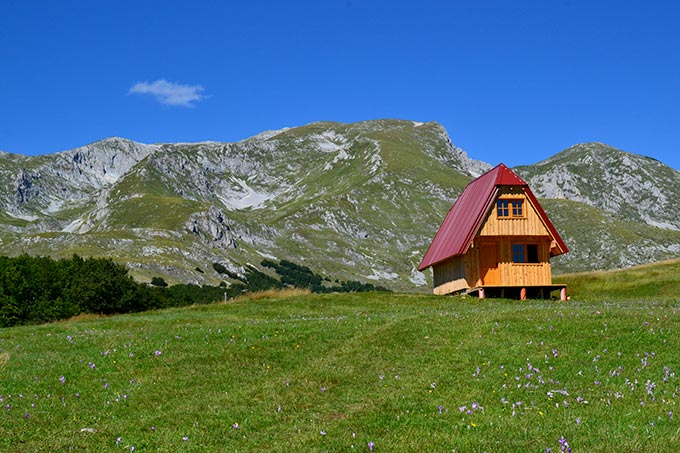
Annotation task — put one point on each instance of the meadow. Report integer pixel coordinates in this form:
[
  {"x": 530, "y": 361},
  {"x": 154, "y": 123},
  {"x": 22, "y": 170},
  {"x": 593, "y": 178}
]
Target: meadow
[{"x": 288, "y": 371}]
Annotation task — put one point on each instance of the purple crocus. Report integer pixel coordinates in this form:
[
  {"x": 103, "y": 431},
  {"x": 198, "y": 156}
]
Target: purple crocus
[{"x": 564, "y": 444}]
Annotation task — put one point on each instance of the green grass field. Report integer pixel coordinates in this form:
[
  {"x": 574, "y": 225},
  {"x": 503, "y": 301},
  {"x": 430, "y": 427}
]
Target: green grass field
[
  {"x": 648, "y": 281},
  {"x": 350, "y": 372}
]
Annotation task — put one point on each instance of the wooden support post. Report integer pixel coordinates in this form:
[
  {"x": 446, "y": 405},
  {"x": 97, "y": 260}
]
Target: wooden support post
[
  {"x": 481, "y": 293},
  {"x": 523, "y": 294},
  {"x": 563, "y": 294}
]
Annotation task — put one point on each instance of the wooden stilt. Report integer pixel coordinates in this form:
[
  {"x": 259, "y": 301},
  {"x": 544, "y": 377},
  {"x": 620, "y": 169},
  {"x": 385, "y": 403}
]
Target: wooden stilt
[
  {"x": 481, "y": 293},
  {"x": 563, "y": 294},
  {"x": 523, "y": 294}
]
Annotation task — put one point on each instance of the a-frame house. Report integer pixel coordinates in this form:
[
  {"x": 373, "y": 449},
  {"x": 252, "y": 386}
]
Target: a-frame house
[{"x": 496, "y": 241}]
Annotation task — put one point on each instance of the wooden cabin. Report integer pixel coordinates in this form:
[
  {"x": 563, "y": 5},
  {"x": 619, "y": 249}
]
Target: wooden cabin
[{"x": 495, "y": 241}]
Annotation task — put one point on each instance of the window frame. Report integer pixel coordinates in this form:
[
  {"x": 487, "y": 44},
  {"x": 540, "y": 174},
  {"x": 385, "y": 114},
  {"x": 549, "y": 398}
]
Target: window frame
[
  {"x": 521, "y": 250},
  {"x": 510, "y": 208}
]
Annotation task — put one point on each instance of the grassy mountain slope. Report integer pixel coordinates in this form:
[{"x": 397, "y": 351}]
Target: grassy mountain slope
[
  {"x": 658, "y": 280},
  {"x": 598, "y": 239},
  {"x": 631, "y": 186},
  {"x": 342, "y": 198},
  {"x": 358, "y": 201}
]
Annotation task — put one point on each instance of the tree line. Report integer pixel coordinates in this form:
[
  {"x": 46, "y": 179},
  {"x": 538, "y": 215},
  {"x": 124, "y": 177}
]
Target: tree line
[{"x": 40, "y": 289}]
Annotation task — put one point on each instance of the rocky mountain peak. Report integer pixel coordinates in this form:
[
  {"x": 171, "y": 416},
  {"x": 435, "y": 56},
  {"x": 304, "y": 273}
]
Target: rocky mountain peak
[
  {"x": 625, "y": 184},
  {"x": 359, "y": 201}
]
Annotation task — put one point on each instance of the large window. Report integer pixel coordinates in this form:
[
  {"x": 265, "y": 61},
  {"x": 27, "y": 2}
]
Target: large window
[
  {"x": 525, "y": 253},
  {"x": 510, "y": 208}
]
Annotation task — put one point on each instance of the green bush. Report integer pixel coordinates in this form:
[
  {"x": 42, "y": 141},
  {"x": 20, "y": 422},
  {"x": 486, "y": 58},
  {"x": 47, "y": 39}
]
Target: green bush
[{"x": 159, "y": 281}]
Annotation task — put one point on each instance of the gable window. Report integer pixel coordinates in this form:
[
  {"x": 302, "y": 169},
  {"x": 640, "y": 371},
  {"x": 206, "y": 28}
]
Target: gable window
[
  {"x": 516, "y": 208},
  {"x": 502, "y": 208},
  {"x": 510, "y": 208},
  {"x": 525, "y": 253}
]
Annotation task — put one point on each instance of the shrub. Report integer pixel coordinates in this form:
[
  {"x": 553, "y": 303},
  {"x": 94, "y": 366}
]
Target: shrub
[{"x": 159, "y": 281}]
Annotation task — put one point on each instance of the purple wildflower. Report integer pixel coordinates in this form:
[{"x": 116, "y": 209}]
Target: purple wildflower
[
  {"x": 370, "y": 446},
  {"x": 62, "y": 379},
  {"x": 564, "y": 444},
  {"x": 157, "y": 353}
]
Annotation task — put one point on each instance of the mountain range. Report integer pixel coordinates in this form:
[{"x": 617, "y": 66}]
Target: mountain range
[{"x": 357, "y": 201}]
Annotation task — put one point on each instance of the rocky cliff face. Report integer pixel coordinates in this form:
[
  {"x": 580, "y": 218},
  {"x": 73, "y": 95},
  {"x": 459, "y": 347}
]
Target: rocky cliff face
[
  {"x": 44, "y": 185},
  {"x": 614, "y": 208},
  {"x": 634, "y": 187},
  {"x": 358, "y": 201}
]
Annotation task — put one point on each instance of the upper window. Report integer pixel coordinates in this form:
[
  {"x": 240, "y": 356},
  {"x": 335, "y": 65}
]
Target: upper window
[{"x": 510, "y": 208}]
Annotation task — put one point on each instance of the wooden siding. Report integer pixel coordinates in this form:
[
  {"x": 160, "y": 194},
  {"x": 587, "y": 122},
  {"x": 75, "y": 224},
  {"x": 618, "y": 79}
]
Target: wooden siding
[
  {"x": 525, "y": 273},
  {"x": 451, "y": 287},
  {"x": 450, "y": 269},
  {"x": 529, "y": 225},
  {"x": 507, "y": 231},
  {"x": 449, "y": 276},
  {"x": 517, "y": 274}
]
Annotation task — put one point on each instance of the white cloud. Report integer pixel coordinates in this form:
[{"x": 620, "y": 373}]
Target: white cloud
[{"x": 170, "y": 93}]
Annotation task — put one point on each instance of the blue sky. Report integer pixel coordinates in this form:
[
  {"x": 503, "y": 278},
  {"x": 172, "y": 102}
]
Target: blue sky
[{"x": 512, "y": 81}]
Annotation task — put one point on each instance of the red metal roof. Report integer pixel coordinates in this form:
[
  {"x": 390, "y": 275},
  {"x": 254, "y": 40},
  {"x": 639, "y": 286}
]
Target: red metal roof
[{"x": 464, "y": 219}]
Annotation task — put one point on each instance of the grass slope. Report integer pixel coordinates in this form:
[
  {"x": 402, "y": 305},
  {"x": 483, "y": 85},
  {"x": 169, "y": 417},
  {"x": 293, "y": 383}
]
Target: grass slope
[
  {"x": 339, "y": 372},
  {"x": 654, "y": 280},
  {"x": 600, "y": 240}
]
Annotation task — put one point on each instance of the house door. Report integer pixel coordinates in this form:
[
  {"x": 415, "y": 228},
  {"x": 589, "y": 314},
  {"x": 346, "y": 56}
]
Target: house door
[{"x": 488, "y": 264}]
